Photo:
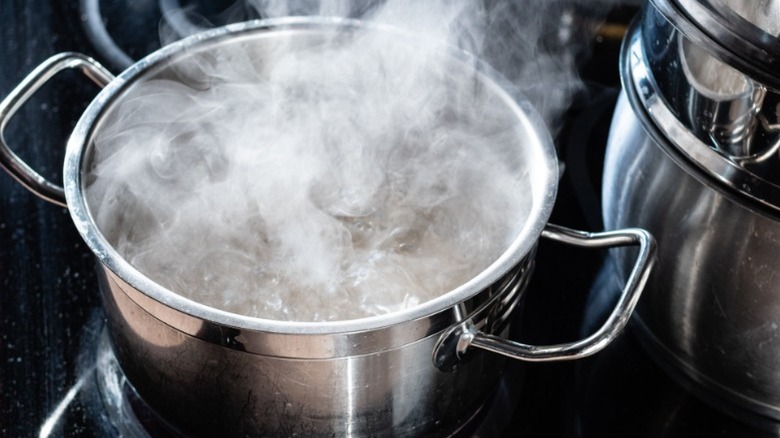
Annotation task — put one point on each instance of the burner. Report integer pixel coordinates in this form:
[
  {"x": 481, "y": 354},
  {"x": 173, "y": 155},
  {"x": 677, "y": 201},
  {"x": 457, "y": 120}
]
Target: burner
[
  {"x": 127, "y": 412},
  {"x": 494, "y": 418}
]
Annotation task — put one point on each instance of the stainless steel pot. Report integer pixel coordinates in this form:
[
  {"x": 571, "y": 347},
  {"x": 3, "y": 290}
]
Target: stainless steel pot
[
  {"x": 414, "y": 372},
  {"x": 692, "y": 157}
]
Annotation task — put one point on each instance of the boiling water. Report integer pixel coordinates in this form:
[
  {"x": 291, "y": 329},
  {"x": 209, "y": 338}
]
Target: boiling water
[{"x": 310, "y": 179}]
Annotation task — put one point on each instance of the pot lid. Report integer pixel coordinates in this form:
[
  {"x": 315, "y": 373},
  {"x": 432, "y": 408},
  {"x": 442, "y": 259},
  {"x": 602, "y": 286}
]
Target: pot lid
[
  {"x": 717, "y": 110},
  {"x": 742, "y": 33}
]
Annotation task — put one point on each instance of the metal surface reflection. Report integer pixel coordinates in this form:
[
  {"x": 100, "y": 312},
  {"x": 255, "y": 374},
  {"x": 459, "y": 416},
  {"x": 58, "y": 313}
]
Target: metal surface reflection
[{"x": 711, "y": 311}]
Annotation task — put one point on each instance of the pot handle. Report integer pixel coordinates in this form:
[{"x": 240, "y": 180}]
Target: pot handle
[
  {"x": 454, "y": 343},
  {"x": 18, "y": 169}
]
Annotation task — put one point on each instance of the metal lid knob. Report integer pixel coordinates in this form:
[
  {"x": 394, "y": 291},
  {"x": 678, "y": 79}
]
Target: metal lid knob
[
  {"x": 744, "y": 34},
  {"x": 717, "y": 107}
]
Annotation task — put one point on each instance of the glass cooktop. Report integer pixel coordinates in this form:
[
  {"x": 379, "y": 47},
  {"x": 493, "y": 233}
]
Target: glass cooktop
[{"x": 55, "y": 376}]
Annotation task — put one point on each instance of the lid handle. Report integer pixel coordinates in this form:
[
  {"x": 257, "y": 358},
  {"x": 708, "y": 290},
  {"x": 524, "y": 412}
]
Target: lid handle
[{"x": 454, "y": 343}]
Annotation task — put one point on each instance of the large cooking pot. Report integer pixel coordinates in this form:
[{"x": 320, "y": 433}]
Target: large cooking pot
[
  {"x": 692, "y": 157},
  {"x": 419, "y": 371}
]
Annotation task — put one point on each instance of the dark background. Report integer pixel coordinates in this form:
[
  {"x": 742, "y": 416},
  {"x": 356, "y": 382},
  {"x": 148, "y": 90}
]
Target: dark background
[{"x": 50, "y": 316}]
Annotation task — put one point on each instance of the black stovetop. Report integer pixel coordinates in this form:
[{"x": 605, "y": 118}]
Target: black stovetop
[{"x": 50, "y": 314}]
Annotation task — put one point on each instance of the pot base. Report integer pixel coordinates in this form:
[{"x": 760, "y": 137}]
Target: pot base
[
  {"x": 716, "y": 395},
  {"x": 132, "y": 416}
]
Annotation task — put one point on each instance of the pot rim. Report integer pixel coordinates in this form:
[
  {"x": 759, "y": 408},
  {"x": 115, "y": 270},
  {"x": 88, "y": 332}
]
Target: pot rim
[
  {"x": 731, "y": 37},
  {"x": 543, "y": 175}
]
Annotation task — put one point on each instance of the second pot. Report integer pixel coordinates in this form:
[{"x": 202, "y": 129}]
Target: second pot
[{"x": 712, "y": 313}]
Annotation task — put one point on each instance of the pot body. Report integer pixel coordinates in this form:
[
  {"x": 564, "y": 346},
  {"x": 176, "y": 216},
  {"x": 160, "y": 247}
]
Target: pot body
[
  {"x": 205, "y": 383},
  {"x": 692, "y": 156},
  {"x": 712, "y": 308}
]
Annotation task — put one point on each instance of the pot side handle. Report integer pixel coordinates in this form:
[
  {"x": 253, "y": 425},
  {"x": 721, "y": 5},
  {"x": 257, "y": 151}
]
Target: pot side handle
[
  {"x": 17, "y": 168},
  {"x": 454, "y": 343}
]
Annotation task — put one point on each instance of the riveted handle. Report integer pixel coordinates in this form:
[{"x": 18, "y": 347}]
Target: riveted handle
[
  {"x": 454, "y": 343},
  {"x": 18, "y": 169}
]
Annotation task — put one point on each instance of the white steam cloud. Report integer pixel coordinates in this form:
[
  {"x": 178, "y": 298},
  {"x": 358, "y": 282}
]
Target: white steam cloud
[{"x": 318, "y": 175}]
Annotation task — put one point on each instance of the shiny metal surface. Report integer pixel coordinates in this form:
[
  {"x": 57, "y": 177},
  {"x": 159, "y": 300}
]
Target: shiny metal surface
[
  {"x": 720, "y": 116},
  {"x": 763, "y": 14},
  {"x": 722, "y": 103},
  {"x": 739, "y": 32},
  {"x": 468, "y": 334},
  {"x": 211, "y": 388},
  {"x": 711, "y": 307},
  {"x": 23, "y": 173}
]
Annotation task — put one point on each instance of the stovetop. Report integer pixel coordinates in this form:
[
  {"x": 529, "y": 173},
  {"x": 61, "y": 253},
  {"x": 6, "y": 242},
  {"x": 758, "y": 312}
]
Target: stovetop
[{"x": 51, "y": 320}]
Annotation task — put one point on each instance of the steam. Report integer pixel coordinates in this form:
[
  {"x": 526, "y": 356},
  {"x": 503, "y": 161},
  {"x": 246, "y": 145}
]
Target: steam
[
  {"x": 536, "y": 44},
  {"x": 327, "y": 176}
]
